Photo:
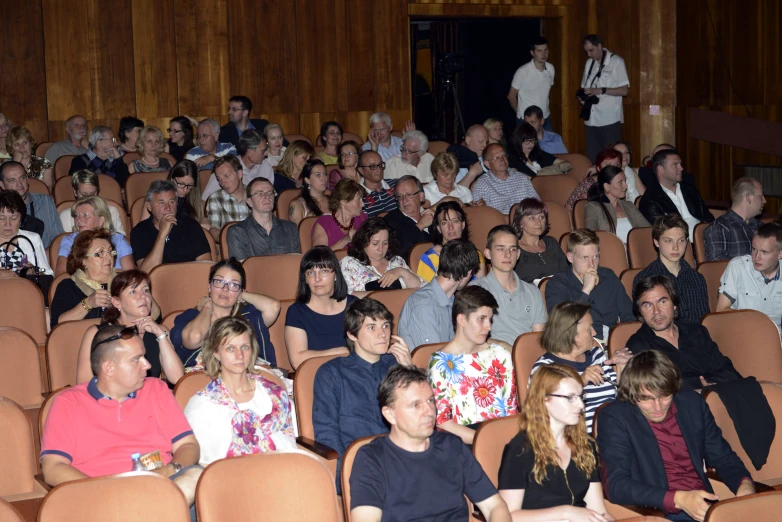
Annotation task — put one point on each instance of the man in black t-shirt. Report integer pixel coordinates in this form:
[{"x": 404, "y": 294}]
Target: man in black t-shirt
[
  {"x": 415, "y": 473},
  {"x": 166, "y": 237}
]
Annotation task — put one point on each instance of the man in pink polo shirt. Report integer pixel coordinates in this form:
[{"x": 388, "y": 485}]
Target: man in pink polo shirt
[{"x": 93, "y": 429}]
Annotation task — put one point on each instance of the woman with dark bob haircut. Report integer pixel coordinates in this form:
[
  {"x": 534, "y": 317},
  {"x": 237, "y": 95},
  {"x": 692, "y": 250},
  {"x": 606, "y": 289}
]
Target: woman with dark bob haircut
[
  {"x": 372, "y": 263},
  {"x": 528, "y": 158},
  {"x": 541, "y": 255},
  {"x": 347, "y": 161},
  {"x": 315, "y": 324}
]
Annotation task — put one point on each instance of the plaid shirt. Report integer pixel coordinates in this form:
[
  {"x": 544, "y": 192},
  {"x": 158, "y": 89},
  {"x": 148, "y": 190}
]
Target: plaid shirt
[
  {"x": 222, "y": 208},
  {"x": 729, "y": 236},
  {"x": 690, "y": 285},
  {"x": 503, "y": 194}
]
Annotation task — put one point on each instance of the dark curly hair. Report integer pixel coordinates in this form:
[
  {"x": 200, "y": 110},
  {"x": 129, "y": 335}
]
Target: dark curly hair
[{"x": 364, "y": 235}]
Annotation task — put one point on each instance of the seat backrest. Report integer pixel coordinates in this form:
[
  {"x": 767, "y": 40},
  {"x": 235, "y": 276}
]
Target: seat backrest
[
  {"x": 415, "y": 255},
  {"x": 111, "y": 191},
  {"x": 123, "y": 216},
  {"x": 771, "y": 472},
  {"x": 542, "y": 288},
  {"x": 760, "y": 506},
  {"x": 305, "y": 233},
  {"x": 423, "y": 353},
  {"x": 203, "y": 178},
  {"x": 579, "y": 214},
  {"x": 296, "y": 137},
  {"x": 526, "y": 350},
  {"x": 641, "y": 250},
  {"x": 36, "y": 186},
  {"x": 712, "y": 272},
  {"x": 394, "y": 300},
  {"x": 17, "y": 450},
  {"x": 699, "y": 242},
  {"x": 481, "y": 220},
  {"x": 179, "y": 286},
  {"x": 490, "y": 440},
  {"x": 619, "y": 334},
  {"x": 303, "y": 385},
  {"x": 717, "y": 212},
  {"x": 558, "y": 220},
  {"x": 130, "y": 157},
  {"x": 22, "y": 307},
  {"x": 41, "y": 148},
  {"x": 44, "y": 411},
  {"x": 188, "y": 385},
  {"x": 277, "y": 336},
  {"x": 436, "y": 147},
  {"x": 54, "y": 248},
  {"x": 9, "y": 513},
  {"x": 136, "y": 209},
  {"x": 580, "y": 165},
  {"x": 341, "y": 253},
  {"x": 214, "y": 255},
  {"x": 347, "y": 468},
  {"x": 137, "y": 184},
  {"x": 63, "y": 191},
  {"x": 612, "y": 252},
  {"x": 267, "y": 486},
  {"x": 627, "y": 278},
  {"x": 736, "y": 330},
  {"x": 555, "y": 188},
  {"x": 350, "y": 136},
  {"x": 170, "y": 318},
  {"x": 284, "y": 200},
  {"x": 224, "y": 240},
  {"x": 129, "y": 496},
  {"x": 276, "y": 276},
  {"x": 62, "y": 166},
  {"x": 20, "y": 369},
  {"x": 62, "y": 351}
]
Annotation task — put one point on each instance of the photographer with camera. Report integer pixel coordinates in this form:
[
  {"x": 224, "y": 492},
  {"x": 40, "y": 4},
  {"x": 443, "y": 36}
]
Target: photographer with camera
[{"x": 603, "y": 85}]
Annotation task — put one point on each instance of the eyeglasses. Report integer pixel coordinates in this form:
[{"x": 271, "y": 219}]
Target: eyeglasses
[
  {"x": 174, "y": 131},
  {"x": 232, "y": 286},
  {"x": 380, "y": 166},
  {"x": 263, "y": 195},
  {"x": 112, "y": 139},
  {"x": 499, "y": 157},
  {"x": 402, "y": 197},
  {"x": 570, "y": 398},
  {"x": 204, "y": 136},
  {"x": 12, "y": 218},
  {"x": 403, "y": 150},
  {"x": 125, "y": 334},
  {"x": 350, "y": 153},
  {"x": 322, "y": 272},
  {"x": 650, "y": 400},
  {"x": 103, "y": 253},
  {"x": 187, "y": 186}
]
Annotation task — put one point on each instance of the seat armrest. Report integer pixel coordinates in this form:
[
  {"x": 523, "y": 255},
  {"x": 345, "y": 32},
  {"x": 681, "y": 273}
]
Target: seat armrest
[
  {"x": 317, "y": 448},
  {"x": 645, "y": 510},
  {"x": 41, "y": 482}
]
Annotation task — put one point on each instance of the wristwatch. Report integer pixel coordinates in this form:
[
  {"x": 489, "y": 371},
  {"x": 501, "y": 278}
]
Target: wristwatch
[
  {"x": 177, "y": 466},
  {"x": 604, "y": 90}
]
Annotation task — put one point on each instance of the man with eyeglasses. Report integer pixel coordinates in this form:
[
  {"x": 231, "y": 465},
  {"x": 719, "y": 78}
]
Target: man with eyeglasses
[
  {"x": 655, "y": 438},
  {"x": 262, "y": 233},
  {"x": 413, "y": 159},
  {"x": 410, "y": 221},
  {"x": 239, "y": 122},
  {"x": 379, "y": 196},
  {"x": 521, "y": 307},
  {"x": 75, "y": 145},
  {"x": 502, "y": 187},
  {"x": 209, "y": 148},
  {"x": 41, "y": 207},
  {"x": 380, "y": 139},
  {"x": 103, "y": 156},
  {"x": 93, "y": 428},
  {"x": 251, "y": 149},
  {"x": 87, "y": 183}
]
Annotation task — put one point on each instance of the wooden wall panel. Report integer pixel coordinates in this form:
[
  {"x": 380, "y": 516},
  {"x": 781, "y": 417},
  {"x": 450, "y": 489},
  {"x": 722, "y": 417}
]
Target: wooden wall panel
[
  {"x": 317, "y": 54},
  {"x": 154, "y": 52},
  {"x": 391, "y": 31},
  {"x": 278, "y": 58},
  {"x": 361, "y": 64}
]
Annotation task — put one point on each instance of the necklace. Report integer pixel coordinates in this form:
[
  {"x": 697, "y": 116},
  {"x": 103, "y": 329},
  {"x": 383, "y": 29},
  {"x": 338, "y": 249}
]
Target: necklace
[
  {"x": 344, "y": 229},
  {"x": 151, "y": 162}
]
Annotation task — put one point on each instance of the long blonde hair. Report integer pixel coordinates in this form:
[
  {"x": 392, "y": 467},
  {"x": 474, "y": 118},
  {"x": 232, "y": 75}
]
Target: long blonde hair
[
  {"x": 535, "y": 421},
  {"x": 296, "y": 148}
]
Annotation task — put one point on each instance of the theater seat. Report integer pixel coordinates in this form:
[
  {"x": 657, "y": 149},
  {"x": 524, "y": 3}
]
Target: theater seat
[
  {"x": 62, "y": 166},
  {"x": 305, "y": 233},
  {"x": 9, "y": 513},
  {"x": 276, "y": 276},
  {"x": 393, "y": 300},
  {"x": 17, "y": 455},
  {"x": 760, "y": 506},
  {"x": 347, "y": 468},
  {"x": 297, "y": 137},
  {"x": 137, "y": 184},
  {"x": 526, "y": 350},
  {"x": 20, "y": 369},
  {"x": 423, "y": 353},
  {"x": 712, "y": 272},
  {"x": 627, "y": 278},
  {"x": 555, "y": 188},
  {"x": 188, "y": 385},
  {"x": 284, "y": 200},
  {"x": 277, "y": 336},
  {"x": 619, "y": 335},
  {"x": 491, "y": 437},
  {"x": 481, "y": 220},
  {"x": 416, "y": 253},
  {"x": 179, "y": 286}
]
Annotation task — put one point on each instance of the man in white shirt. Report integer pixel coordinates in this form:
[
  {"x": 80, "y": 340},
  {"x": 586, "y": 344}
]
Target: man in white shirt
[
  {"x": 413, "y": 160},
  {"x": 605, "y": 76},
  {"x": 532, "y": 82}
]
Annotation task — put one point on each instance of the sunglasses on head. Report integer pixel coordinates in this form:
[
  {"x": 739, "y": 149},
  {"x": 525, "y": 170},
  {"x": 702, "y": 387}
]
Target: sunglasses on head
[{"x": 125, "y": 334}]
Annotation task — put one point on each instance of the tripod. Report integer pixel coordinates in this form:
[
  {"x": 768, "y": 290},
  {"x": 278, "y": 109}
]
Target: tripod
[{"x": 449, "y": 86}]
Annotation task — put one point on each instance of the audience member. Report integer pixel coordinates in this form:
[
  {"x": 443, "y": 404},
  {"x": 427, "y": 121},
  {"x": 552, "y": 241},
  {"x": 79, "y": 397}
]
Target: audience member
[
  {"x": 635, "y": 187},
  {"x": 528, "y": 158},
  {"x": 501, "y": 187},
  {"x": 435, "y": 467},
  {"x": 19, "y": 249},
  {"x": 292, "y": 164},
  {"x": 85, "y": 294},
  {"x": 589, "y": 283},
  {"x": 86, "y": 183},
  {"x": 411, "y": 222},
  {"x": 569, "y": 340},
  {"x": 606, "y": 158},
  {"x": 315, "y": 324},
  {"x": 449, "y": 222},
  {"x": 150, "y": 146},
  {"x": 313, "y": 200},
  {"x": 5, "y": 126},
  {"x": 472, "y": 376},
  {"x": 226, "y": 296},
  {"x": 548, "y": 141},
  {"x": 731, "y": 234},
  {"x": 39, "y": 206},
  {"x": 532, "y": 82},
  {"x": 239, "y": 109},
  {"x": 348, "y": 154},
  {"x": 165, "y": 236},
  {"x": 380, "y": 138},
  {"x": 85, "y": 435},
  {"x": 180, "y": 141},
  {"x": 240, "y": 412},
  {"x": 550, "y": 470},
  {"x": 540, "y": 254},
  {"x": 75, "y": 145},
  {"x": 665, "y": 470},
  {"x": 276, "y": 140},
  {"x": 262, "y": 233},
  {"x": 414, "y": 159},
  {"x": 470, "y": 155},
  {"x": 672, "y": 195},
  {"x": 494, "y": 130},
  {"x": 337, "y": 230},
  {"x": 372, "y": 263},
  {"x": 687, "y": 344},
  {"x": 251, "y": 149},
  {"x": 184, "y": 175},
  {"x": 128, "y": 132},
  {"x": 103, "y": 156},
  {"x": 752, "y": 281},
  {"x": 602, "y": 119},
  {"x": 92, "y": 213},
  {"x": 20, "y": 145},
  {"x": 426, "y": 314},
  {"x": 670, "y": 234},
  {"x": 330, "y": 140},
  {"x": 230, "y": 202},
  {"x": 647, "y": 175},
  {"x": 520, "y": 305},
  {"x": 608, "y": 208},
  {"x": 208, "y": 148},
  {"x": 443, "y": 186},
  {"x": 379, "y": 193},
  {"x": 131, "y": 306}
]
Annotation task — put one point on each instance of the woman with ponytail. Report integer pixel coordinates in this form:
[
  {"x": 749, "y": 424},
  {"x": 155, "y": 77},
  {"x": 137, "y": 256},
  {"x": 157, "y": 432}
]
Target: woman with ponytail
[
  {"x": 313, "y": 200},
  {"x": 608, "y": 209}
]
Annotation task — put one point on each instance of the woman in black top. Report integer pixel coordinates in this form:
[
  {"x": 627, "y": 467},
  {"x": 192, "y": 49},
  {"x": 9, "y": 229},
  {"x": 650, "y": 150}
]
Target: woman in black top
[
  {"x": 549, "y": 470},
  {"x": 541, "y": 256},
  {"x": 526, "y": 156},
  {"x": 180, "y": 140}
]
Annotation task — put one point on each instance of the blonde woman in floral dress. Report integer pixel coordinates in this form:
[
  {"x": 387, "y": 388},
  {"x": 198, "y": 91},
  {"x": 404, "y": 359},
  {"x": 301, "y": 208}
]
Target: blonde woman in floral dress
[{"x": 472, "y": 376}]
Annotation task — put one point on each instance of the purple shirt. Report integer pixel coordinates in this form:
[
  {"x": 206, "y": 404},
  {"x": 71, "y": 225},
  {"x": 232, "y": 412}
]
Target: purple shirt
[{"x": 333, "y": 231}]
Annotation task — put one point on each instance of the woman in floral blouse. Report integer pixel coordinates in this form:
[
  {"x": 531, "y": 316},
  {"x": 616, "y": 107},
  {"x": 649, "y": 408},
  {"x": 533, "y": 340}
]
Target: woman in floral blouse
[
  {"x": 372, "y": 263},
  {"x": 240, "y": 412},
  {"x": 472, "y": 376}
]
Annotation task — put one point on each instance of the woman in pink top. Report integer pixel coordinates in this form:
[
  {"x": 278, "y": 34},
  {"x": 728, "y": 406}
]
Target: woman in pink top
[{"x": 336, "y": 230}]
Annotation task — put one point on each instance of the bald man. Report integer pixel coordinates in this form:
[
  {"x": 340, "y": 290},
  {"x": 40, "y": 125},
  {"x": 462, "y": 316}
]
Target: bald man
[{"x": 469, "y": 156}]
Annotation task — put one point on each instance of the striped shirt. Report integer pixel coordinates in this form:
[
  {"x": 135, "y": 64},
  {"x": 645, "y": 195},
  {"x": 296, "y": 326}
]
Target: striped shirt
[
  {"x": 596, "y": 394},
  {"x": 378, "y": 201}
]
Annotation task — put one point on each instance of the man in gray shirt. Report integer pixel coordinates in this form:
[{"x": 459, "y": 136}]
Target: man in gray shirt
[
  {"x": 521, "y": 309},
  {"x": 426, "y": 315},
  {"x": 41, "y": 206},
  {"x": 76, "y": 129},
  {"x": 262, "y": 233}
]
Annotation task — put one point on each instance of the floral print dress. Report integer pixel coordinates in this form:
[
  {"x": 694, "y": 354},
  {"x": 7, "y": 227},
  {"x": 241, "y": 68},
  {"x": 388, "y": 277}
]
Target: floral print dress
[{"x": 472, "y": 388}]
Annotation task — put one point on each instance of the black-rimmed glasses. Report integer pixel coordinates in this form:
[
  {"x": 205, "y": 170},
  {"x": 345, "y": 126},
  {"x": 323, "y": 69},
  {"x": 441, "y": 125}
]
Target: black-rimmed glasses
[{"x": 572, "y": 398}]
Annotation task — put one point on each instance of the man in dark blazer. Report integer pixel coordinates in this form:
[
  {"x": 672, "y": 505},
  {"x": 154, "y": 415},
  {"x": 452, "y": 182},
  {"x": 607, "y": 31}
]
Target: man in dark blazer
[
  {"x": 654, "y": 439},
  {"x": 239, "y": 109}
]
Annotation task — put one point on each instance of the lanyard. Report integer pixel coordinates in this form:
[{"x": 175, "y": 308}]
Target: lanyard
[{"x": 599, "y": 69}]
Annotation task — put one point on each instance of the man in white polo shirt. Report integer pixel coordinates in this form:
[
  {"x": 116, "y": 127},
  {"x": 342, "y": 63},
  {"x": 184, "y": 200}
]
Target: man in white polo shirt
[{"x": 532, "y": 82}]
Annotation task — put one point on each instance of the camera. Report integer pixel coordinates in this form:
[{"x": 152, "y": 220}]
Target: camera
[
  {"x": 450, "y": 64},
  {"x": 589, "y": 100}
]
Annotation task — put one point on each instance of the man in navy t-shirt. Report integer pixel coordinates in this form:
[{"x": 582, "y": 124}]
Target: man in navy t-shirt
[{"x": 415, "y": 473}]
